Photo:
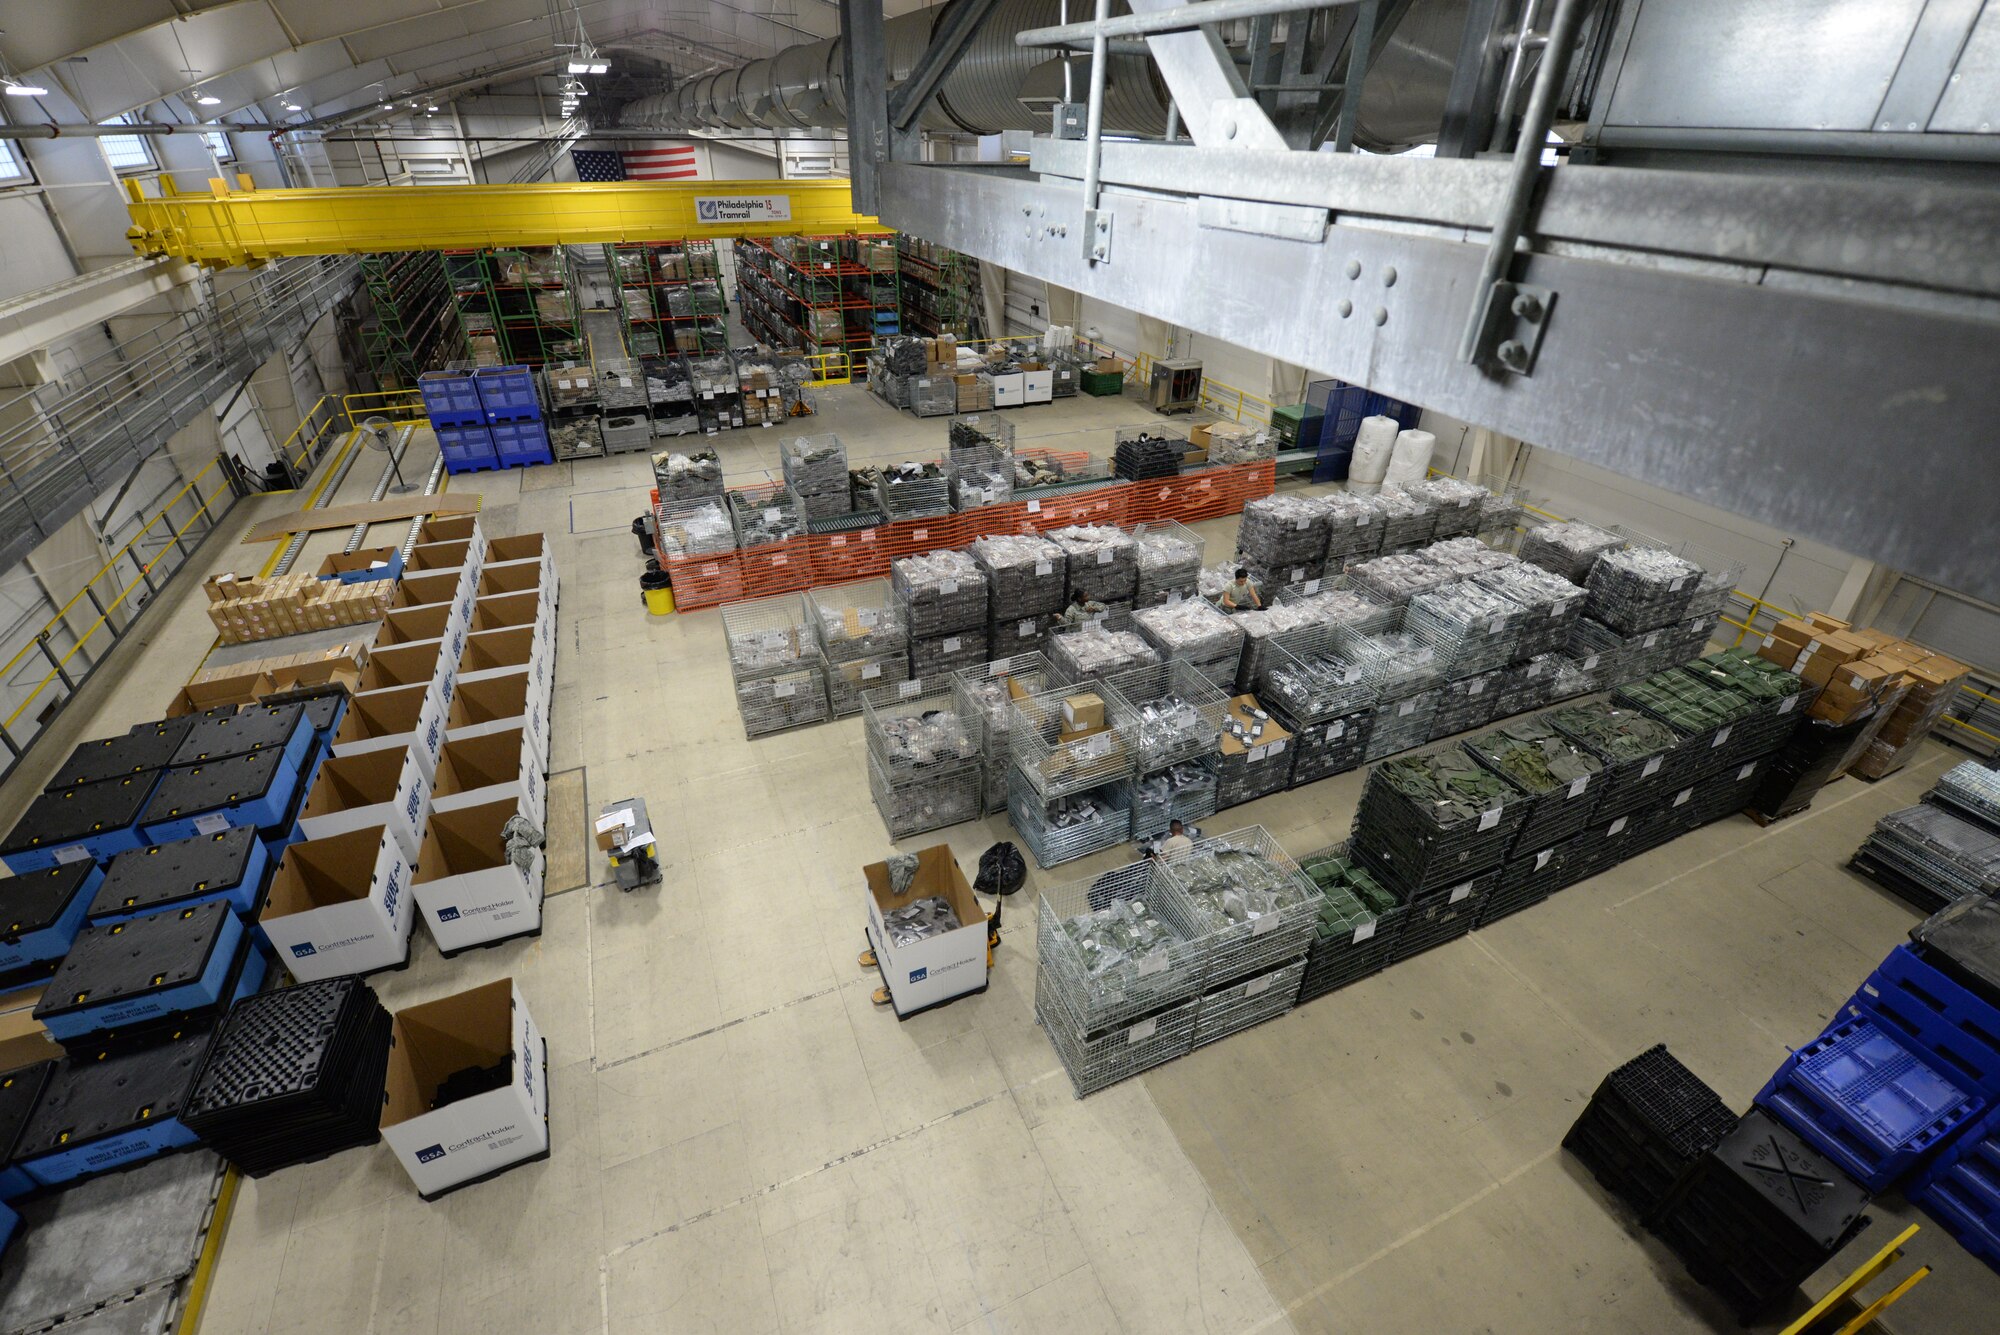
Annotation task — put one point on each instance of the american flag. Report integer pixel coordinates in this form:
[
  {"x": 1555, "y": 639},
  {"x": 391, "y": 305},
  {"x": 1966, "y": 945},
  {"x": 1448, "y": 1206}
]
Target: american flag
[{"x": 635, "y": 164}]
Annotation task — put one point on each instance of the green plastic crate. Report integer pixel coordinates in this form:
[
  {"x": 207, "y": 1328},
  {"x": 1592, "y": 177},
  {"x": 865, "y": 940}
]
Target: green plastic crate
[{"x": 1103, "y": 384}]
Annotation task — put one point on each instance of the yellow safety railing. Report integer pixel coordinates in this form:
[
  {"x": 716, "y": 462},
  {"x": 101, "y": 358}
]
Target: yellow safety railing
[
  {"x": 309, "y": 439},
  {"x": 397, "y": 405}
]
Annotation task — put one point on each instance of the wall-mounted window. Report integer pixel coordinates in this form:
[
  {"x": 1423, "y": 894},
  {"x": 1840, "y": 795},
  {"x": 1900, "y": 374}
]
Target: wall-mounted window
[
  {"x": 128, "y": 152},
  {"x": 218, "y": 144},
  {"x": 13, "y": 167}
]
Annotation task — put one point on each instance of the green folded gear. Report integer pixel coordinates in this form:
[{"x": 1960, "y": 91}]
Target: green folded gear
[
  {"x": 1535, "y": 756},
  {"x": 1352, "y": 896},
  {"x": 1448, "y": 781},
  {"x": 1742, "y": 671},
  {"x": 1621, "y": 734},
  {"x": 1692, "y": 704}
]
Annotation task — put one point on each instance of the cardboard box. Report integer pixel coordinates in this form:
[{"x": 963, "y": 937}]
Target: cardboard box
[
  {"x": 493, "y": 653},
  {"x": 519, "y": 547},
  {"x": 444, "y": 556},
  {"x": 1867, "y": 676},
  {"x": 198, "y": 696},
  {"x": 612, "y": 830},
  {"x": 340, "y": 905},
  {"x": 422, "y": 664},
  {"x": 1782, "y": 652},
  {"x": 23, "y": 1040},
  {"x": 939, "y": 968},
  {"x": 1794, "y": 631},
  {"x": 1083, "y": 710},
  {"x": 385, "y": 787},
  {"x": 514, "y": 577},
  {"x": 1836, "y": 708},
  {"x": 492, "y": 767},
  {"x": 1821, "y": 621},
  {"x": 469, "y": 892},
  {"x": 501, "y": 611},
  {"x": 435, "y": 586},
  {"x": 500, "y": 704},
  {"x": 443, "y": 1148},
  {"x": 1198, "y": 435},
  {"x": 1271, "y": 738},
  {"x": 451, "y": 528},
  {"x": 370, "y": 563},
  {"x": 407, "y": 716}
]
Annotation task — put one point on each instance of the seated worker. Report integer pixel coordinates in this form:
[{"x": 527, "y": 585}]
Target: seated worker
[
  {"x": 1177, "y": 840},
  {"x": 1079, "y": 611},
  {"x": 1241, "y": 594}
]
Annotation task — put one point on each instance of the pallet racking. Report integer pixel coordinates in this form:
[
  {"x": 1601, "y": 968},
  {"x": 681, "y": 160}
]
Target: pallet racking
[
  {"x": 819, "y": 294},
  {"x": 410, "y": 329},
  {"x": 940, "y": 290},
  {"x": 516, "y": 307},
  {"x": 669, "y": 296}
]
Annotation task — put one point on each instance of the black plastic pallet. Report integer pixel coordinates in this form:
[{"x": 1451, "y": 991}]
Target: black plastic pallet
[
  {"x": 149, "y": 746},
  {"x": 32, "y": 901},
  {"x": 93, "y": 1095},
  {"x": 20, "y": 1091},
  {"x": 1962, "y": 941},
  {"x": 73, "y": 814},
  {"x": 136, "y": 958},
  {"x": 190, "y": 790},
  {"x": 1788, "y": 1195},
  {"x": 144, "y": 878},
  {"x": 265, "y": 727},
  {"x": 1438, "y": 919}
]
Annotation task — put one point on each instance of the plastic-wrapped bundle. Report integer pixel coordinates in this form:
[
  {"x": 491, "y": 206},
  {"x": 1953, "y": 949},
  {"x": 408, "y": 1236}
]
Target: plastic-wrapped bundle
[
  {"x": 1115, "y": 943},
  {"x": 1394, "y": 578},
  {"x": 1466, "y": 703},
  {"x": 1313, "y": 683},
  {"x": 1467, "y": 558},
  {"x": 1343, "y": 609},
  {"x": 934, "y": 655},
  {"x": 1457, "y": 503},
  {"x": 1195, "y": 632},
  {"x": 815, "y": 468},
  {"x": 1267, "y": 626},
  {"x": 683, "y": 477},
  {"x": 1567, "y": 548},
  {"x": 765, "y": 515},
  {"x": 1103, "y": 561},
  {"x": 1411, "y": 461},
  {"x": 939, "y": 592},
  {"x": 1231, "y": 443},
  {"x": 1358, "y": 923},
  {"x": 1169, "y": 562},
  {"x": 1183, "y": 792},
  {"x": 696, "y": 528},
  {"x": 1354, "y": 525},
  {"x": 1407, "y": 519},
  {"x": 1093, "y": 652},
  {"x": 1242, "y": 901},
  {"x": 1553, "y": 604},
  {"x": 1027, "y": 574},
  {"x": 1472, "y": 628},
  {"x": 1374, "y": 447},
  {"x": 1640, "y": 588},
  {"x": 1280, "y": 532}
]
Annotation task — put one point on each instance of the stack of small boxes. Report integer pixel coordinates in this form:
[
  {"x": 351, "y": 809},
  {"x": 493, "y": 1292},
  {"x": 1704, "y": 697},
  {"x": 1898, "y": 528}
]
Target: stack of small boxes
[{"x": 245, "y": 609}]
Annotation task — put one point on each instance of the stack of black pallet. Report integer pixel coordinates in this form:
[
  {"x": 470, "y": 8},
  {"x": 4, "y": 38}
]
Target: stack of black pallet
[
  {"x": 1147, "y": 456},
  {"x": 1647, "y": 1124},
  {"x": 293, "y": 1076},
  {"x": 1756, "y": 1215}
]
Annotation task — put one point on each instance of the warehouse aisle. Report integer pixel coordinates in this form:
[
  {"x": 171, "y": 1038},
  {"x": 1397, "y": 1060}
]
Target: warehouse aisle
[{"x": 743, "y": 1143}]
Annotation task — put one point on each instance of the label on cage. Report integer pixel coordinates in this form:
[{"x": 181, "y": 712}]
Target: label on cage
[
  {"x": 1722, "y": 736},
  {"x": 1785, "y": 705},
  {"x": 948, "y": 588},
  {"x": 1043, "y": 567},
  {"x": 1034, "y": 507},
  {"x": 1298, "y": 573},
  {"x": 1651, "y": 767},
  {"x": 1542, "y": 858},
  {"x": 1104, "y": 557},
  {"x": 1026, "y": 628},
  {"x": 1746, "y": 771},
  {"x": 213, "y": 823},
  {"x": 1275, "y": 748},
  {"x": 1497, "y": 625},
  {"x": 839, "y": 540},
  {"x": 1265, "y": 922},
  {"x": 1258, "y": 753},
  {"x": 1577, "y": 785},
  {"x": 1407, "y": 708},
  {"x": 71, "y": 853},
  {"x": 771, "y": 515},
  {"x": 1303, "y": 525},
  {"x": 1650, "y": 640},
  {"x": 1156, "y": 962},
  {"x": 866, "y": 615},
  {"x": 1682, "y": 796},
  {"x": 1617, "y": 826},
  {"x": 909, "y": 689},
  {"x": 920, "y": 535},
  {"x": 781, "y": 560},
  {"x": 1257, "y": 987},
  {"x": 1364, "y": 931},
  {"x": 999, "y": 667},
  {"x": 1312, "y": 586},
  {"x": 1478, "y": 687},
  {"x": 1559, "y": 608},
  {"x": 1141, "y": 1031},
  {"x": 1095, "y": 749},
  {"x": 1361, "y": 521},
  {"x": 783, "y": 690},
  {"x": 1338, "y": 728},
  {"x": 1679, "y": 584},
  {"x": 1489, "y": 819},
  {"x": 1173, "y": 597},
  {"x": 708, "y": 394},
  {"x": 1534, "y": 670},
  {"x": 1459, "y": 892},
  {"x": 1590, "y": 663},
  {"x": 951, "y": 643},
  {"x": 870, "y": 671}
]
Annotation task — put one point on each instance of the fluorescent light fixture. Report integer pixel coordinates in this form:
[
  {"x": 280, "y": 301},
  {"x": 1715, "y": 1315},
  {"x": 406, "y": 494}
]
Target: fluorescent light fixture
[
  {"x": 293, "y": 106},
  {"x": 578, "y": 66},
  {"x": 430, "y": 108},
  {"x": 208, "y": 100},
  {"x": 16, "y": 89},
  {"x": 599, "y": 67}
]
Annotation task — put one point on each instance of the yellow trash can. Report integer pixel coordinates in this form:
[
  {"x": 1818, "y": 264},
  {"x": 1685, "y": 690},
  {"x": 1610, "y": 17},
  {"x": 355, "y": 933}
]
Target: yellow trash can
[{"x": 658, "y": 592}]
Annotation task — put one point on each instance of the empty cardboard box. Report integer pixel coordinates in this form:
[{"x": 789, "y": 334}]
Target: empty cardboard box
[
  {"x": 468, "y": 890},
  {"x": 496, "y": 704},
  {"x": 374, "y": 788},
  {"x": 439, "y": 586},
  {"x": 452, "y": 528},
  {"x": 406, "y": 717},
  {"x": 444, "y": 556},
  {"x": 340, "y": 905},
  {"x": 492, "y": 653},
  {"x": 496, "y": 766},
  {"x": 424, "y": 664},
  {"x": 504, "y": 611}
]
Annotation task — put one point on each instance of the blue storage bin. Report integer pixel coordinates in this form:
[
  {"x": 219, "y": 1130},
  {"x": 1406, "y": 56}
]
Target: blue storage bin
[
  {"x": 521, "y": 443},
  {"x": 451, "y": 398},
  {"x": 508, "y": 393},
  {"x": 1952, "y": 1027},
  {"x": 1961, "y": 1189},
  {"x": 1343, "y": 406}
]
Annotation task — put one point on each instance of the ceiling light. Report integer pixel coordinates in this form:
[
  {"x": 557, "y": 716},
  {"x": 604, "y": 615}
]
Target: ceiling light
[
  {"x": 430, "y": 108},
  {"x": 579, "y": 66},
  {"x": 388, "y": 106},
  {"x": 15, "y": 89},
  {"x": 208, "y": 100},
  {"x": 293, "y": 106},
  {"x": 599, "y": 67}
]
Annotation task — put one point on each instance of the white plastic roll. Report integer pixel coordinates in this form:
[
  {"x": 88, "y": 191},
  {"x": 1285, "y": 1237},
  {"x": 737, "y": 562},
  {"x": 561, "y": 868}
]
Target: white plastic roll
[
  {"x": 1412, "y": 459},
  {"x": 1373, "y": 444}
]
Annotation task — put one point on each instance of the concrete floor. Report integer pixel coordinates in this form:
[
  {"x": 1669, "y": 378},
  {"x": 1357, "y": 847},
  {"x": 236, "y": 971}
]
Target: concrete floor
[{"x": 743, "y": 1143}]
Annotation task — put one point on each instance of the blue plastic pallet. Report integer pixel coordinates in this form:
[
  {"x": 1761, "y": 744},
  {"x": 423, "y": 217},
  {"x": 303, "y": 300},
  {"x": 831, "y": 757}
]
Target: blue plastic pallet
[
  {"x": 455, "y": 467},
  {"x": 103, "y": 1111},
  {"x": 518, "y": 444},
  {"x": 232, "y": 865},
  {"x": 265, "y": 810},
  {"x": 233, "y": 969},
  {"x": 507, "y": 393},
  {"x": 90, "y": 822},
  {"x": 9, "y": 1221},
  {"x": 1957, "y": 1031},
  {"x": 1961, "y": 1189},
  {"x": 451, "y": 399},
  {"x": 1866, "y": 1100},
  {"x": 42, "y": 911}
]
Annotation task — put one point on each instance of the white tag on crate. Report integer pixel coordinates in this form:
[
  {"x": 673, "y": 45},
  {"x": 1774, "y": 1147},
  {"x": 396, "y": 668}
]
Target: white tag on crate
[
  {"x": 1534, "y": 670},
  {"x": 948, "y": 587},
  {"x": 1312, "y": 586},
  {"x": 71, "y": 853},
  {"x": 1302, "y": 525},
  {"x": 1265, "y": 922},
  {"x": 1746, "y": 771},
  {"x": 870, "y": 671},
  {"x": 1298, "y": 573},
  {"x": 1104, "y": 557},
  {"x": 839, "y": 540},
  {"x": 1256, "y": 753},
  {"x": 1337, "y": 728},
  {"x": 1577, "y": 785},
  {"x": 867, "y": 616},
  {"x": 1141, "y": 1031},
  {"x": 1650, "y": 640},
  {"x": 1361, "y": 521},
  {"x": 1651, "y": 767},
  {"x": 908, "y": 690},
  {"x": 1590, "y": 663},
  {"x": 771, "y": 515},
  {"x": 1044, "y": 568},
  {"x": 1557, "y": 609},
  {"x": 1034, "y": 507},
  {"x": 783, "y": 690},
  {"x": 1489, "y": 819},
  {"x": 1542, "y": 858},
  {"x": 1617, "y": 826},
  {"x": 1026, "y": 629},
  {"x": 1679, "y": 584},
  {"x": 1722, "y": 736},
  {"x": 1682, "y": 796},
  {"x": 1459, "y": 892},
  {"x": 999, "y": 667},
  {"x": 1275, "y": 748},
  {"x": 1497, "y": 625},
  {"x": 1478, "y": 686},
  {"x": 920, "y": 535},
  {"x": 1785, "y": 705},
  {"x": 1364, "y": 931},
  {"x": 1257, "y": 987},
  {"x": 1405, "y": 709},
  {"x": 951, "y": 643},
  {"x": 212, "y": 823},
  {"x": 1155, "y": 962}
]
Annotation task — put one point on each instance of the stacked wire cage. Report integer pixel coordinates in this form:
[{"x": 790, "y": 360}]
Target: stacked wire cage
[
  {"x": 774, "y": 663},
  {"x": 766, "y": 512},
  {"x": 1098, "y": 650},
  {"x": 1501, "y": 510},
  {"x": 917, "y": 490},
  {"x": 1552, "y": 605},
  {"x": 1636, "y": 748},
  {"x": 1472, "y": 628},
  {"x": 1456, "y": 503},
  {"x": 1354, "y": 526},
  {"x": 990, "y": 688},
  {"x": 685, "y": 475},
  {"x": 1401, "y": 671},
  {"x": 1393, "y": 578},
  {"x": 979, "y": 460},
  {"x": 1612, "y": 656},
  {"x": 1139, "y": 453},
  {"x": 1640, "y": 588},
  {"x": 862, "y": 640},
  {"x": 1196, "y": 632},
  {"x": 1568, "y": 548},
  {"x": 1468, "y": 558},
  {"x": 1564, "y": 779},
  {"x": 1530, "y": 875},
  {"x": 1102, "y": 560},
  {"x": 1355, "y": 932},
  {"x": 1251, "y": 915},
  {"x": 1322, "y": 697},
  {"x": 815, "y": 468},
  {"x": 1408, "y": 520},
  {"x": 1465, "y": 703},
  {"x": 1432, "y": 920},
  {"x": 1431, "y": 821},
  {"x": 1027, "y": 583},
  {"x": 695, "y": 526},
  {"x": 1066, "y": 794},
  {"x": 1283, "y": 539},
  {"x": 926, "y": 766},
  {"x": 941, "y": 596},
  {"x": 1170, "y": 717},
  {"x": 1170, "y": 557},
  {"x": 1719, "y": 577},
  {"x": 1116, "y": 981}
]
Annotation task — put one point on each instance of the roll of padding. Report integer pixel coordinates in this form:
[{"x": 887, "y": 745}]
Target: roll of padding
[
  {"x": 1412, "y": 459},
  {"x": 1373, "y": 445}
]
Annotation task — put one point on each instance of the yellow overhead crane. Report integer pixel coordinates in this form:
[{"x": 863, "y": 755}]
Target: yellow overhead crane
[{"x": 237, "y": 224}]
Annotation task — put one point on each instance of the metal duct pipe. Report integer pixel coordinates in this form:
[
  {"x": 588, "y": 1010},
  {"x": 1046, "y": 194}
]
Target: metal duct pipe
[{"x": 51, "y": 130}]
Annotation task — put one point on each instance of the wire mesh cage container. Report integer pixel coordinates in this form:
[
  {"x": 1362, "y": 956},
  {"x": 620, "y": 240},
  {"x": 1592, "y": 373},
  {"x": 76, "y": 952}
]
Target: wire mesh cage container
[
  {"x": 1501, "y": 510},
  {"x": 979, "y": 459},
  {"x": 1196, "y": 632},
  {"x": 1706, "y": 710},
  {"x": 1567, "y": 677},
  {"x": 1048, "y": 754},
  {"x": 1278, "y": 532},
  {"x": 1328, "y": 747},
  {"x": 1095, "y": 1061},
  {"x": 1274, "y": 583},
  {"x": 1433, "y": 920},
  {"x": 1564, "y": 778},
  {"x": 768, "y": 636},
  {"x": 1636, "y": 748},
  {"x": 1520, "y": 688},
  {"x": 1106, "y": 948},
  {"x": 1026, "y": 574},
  {"x": 1690, "y": 639},
  {"x": 1170, "y": 557},
  {"x": 915, "y": 806},
  {"x": 766, "y": 512},
  {"x": 701, "y": 526},
  {"x": 1247, "y": 769},
  {"x": 1039, "y": 470},
  {"x": 1457, "y": 503},
  {"x": 1354, "y": 525},
  {"x": 1567, "y": 547},
  {"x": 579, "y": 437},
  {"x": 1354, "y": 934},
  {"x": 1102, "y": 560},
  {"x": 1640, "y": 587},
  {"x": 1242, "y": 901},
  {"x": 778, "y": 701},
  {"x": 935, "y": 655},
  {"x": 1306, "y": 677},
  {"x": 1431, "y": 819},
  {"x": 1466, "y": 558},
  {"x": 1393, "y": 578},
  {"x": 1245, "y": 1002},
  {"x": 1465, "y": 703},
  {"x": 990, "y": 688},
  {"x": 1472, "y": 628},
  {"x": 1021, "y": 635},
  {"x": 815, "y": 467},
  {"x": 857, "y": 621},
  {"x": 928, "y": 395},
  {"x": 1166, "y": 712},
  {"x": 980, "y": 431},
  {"x": 687, "y": 474},
  {"x": 1530, "y": 875},
  {"x": 1408, "y": 520},
  {"x": 1185, "y": 791},
  {"x": 1590, "y": 639},
  {"x": 1719, "y": 578},
  {"x": 1059, "y": 829},
  {"x": 1097, "y": 650},
  {"x": 1396, "y": 664},
  {"x": 920, "y": 729},
  {"x": 1552, "y": 604},
  {"x": 849, "y": 679},
  {"x": 916, "y": 490},
  {"x": 622, "y": 387},
  {"x": 939, "y": 591},
  {"x": 1139, "y": 453}
]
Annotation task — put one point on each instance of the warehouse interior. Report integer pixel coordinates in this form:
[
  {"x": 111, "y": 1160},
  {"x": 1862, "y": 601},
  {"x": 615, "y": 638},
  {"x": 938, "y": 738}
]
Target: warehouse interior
[{"x": 1174, "y": 665}]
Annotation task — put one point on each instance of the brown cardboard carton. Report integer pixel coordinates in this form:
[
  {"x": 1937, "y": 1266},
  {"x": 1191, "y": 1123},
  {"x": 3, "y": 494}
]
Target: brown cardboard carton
[
  {"x": 1243, "y": 709},
  {"x": 1084, "y": 710},
  {"x": 1821, "y": 621},
  {"x": 1782, "y": 652},
  {"x": 1794, "y": 631},
  {"x": 1865, "y": 675},
  {"x": 1198, "y": 435}
]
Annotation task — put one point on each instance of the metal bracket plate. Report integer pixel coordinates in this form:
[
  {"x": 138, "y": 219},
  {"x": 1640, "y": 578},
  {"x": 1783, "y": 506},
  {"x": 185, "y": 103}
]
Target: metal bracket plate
[
  {"x": 1289, "y": 222},
  {"x": 1097, "y": 235},
  {"x": 1511, "y": 327}
]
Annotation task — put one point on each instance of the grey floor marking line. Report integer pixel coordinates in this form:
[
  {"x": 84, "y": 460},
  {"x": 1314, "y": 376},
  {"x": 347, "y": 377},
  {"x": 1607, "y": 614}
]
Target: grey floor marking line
[{"x": 715, "y": 1029}]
